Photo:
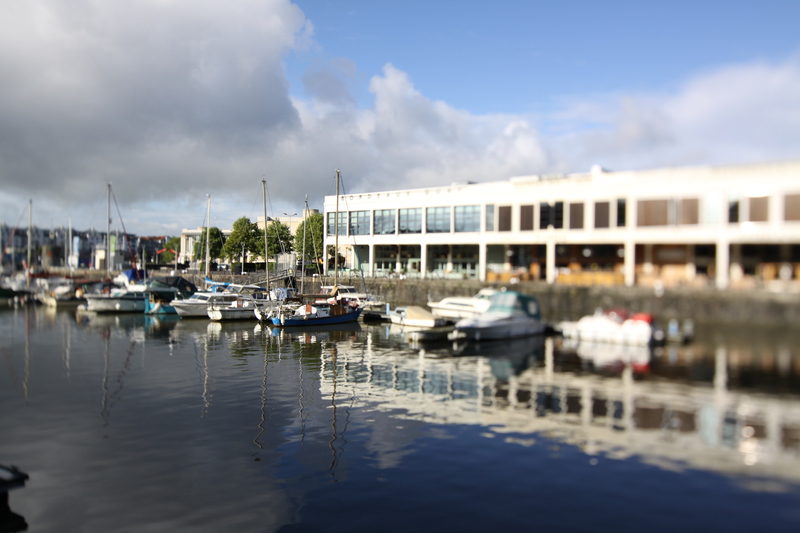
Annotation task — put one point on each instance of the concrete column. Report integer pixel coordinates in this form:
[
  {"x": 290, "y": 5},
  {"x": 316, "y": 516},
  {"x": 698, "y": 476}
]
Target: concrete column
[
  {"x": 482, "y": 261},
  {"x": 629, "y": 265},
  {"x": 551, "y": 261},
  {"x": 648, "y": 258},
  {"x": 371, "y": 260},
  {"x": 691, "y": 265},
  {"x": 423, "y": 260},
  {"x": 398, "y": 262},
  {"x": 723, "y": 264}
]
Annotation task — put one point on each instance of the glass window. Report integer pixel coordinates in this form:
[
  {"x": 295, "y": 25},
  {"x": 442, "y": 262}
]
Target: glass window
[
  {"x": 504, "y": 215},
  {"x": 526, "y": 218},
  {"x": 410, "y": 220},
  {"x": 490, "y": 217},
  {"x": 342, "y": 223},
  {"x": 791, "y": 207},
  {"x": 359, "y": 223},
  {"x": 551, "y": 215},
  {"x": 653, "y": 213},
  {"x": 385, "y": 221},
  {"x": 576, "y": 216},
  {"x": 733, "y": 211},
  {"x": 759, "y": 209},
  {"x": 437, "y": 220},
  {"x": 621, "y": 220},
  {"x": 690, "y": 211},
  {"x": 467, "y": 218},
  {"x": 601, "y": 214}
]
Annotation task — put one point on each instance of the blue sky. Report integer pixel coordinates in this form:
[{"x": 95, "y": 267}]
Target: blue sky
[{"x": 171, "y": 100}]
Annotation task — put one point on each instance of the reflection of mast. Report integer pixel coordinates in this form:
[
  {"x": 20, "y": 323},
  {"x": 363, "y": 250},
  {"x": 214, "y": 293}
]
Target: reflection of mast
[
  {"x": 331, "y": 445},
  {"x": 263, "y": 397}
]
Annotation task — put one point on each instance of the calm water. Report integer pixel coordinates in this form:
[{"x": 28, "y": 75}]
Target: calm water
[{"x": 126, "y": 423}]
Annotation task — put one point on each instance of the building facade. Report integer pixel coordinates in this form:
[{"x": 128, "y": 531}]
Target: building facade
[{"x": 727, "y": 226}]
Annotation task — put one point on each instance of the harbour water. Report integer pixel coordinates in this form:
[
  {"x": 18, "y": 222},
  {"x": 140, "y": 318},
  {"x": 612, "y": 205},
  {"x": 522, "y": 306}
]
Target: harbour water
[{"x": 131, "y": 423}]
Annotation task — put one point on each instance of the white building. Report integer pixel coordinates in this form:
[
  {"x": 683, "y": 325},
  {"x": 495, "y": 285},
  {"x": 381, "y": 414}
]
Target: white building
[{"x": 726, "y": 226}]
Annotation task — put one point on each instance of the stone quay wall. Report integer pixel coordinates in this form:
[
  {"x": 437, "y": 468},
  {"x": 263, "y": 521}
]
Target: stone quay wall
[{"x": 562, "y": 302}]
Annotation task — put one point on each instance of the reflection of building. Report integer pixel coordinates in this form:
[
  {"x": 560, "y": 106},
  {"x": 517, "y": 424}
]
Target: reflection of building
[
  {"x": 727, "y": 226},
  {"x": 667, "y": 423}
]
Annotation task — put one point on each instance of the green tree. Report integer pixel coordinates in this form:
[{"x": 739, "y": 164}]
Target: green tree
[
  {"x": 279, "y": 239},
  {"x": 174, "y": 243},
  {"x": 244, "y": 236},
  {"x": 312, "y": 230},
  {"x": 215, "y": 242}
]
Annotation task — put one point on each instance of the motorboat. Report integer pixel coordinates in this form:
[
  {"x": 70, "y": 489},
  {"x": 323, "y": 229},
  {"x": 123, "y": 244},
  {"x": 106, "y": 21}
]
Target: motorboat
[
  {"x": 127, "y": 295},
  {"x": 456, "y": 307},
  {"x": 161, "y": 292},
  {"x": 415, "y": 316},
  {"x": 197, "y": 304},
  {"x": 511, "y": 314},
  {"x": 614, "y": 325}
]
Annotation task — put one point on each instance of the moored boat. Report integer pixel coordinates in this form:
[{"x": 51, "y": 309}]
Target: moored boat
[
  {"x": 510, "y": 314},
  {"x": 456, "y": 307},
  {"x": 614, "y": 325}
]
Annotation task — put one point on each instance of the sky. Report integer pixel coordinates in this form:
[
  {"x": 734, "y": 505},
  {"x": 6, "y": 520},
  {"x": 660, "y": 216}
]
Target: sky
[{"x": 171, "y": 101}]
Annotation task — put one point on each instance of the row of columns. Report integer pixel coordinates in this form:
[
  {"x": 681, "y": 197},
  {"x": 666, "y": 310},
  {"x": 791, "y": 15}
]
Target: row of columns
[{"x": 724, "y": 261}]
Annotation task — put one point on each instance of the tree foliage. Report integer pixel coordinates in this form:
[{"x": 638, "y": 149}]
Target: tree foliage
[
  {"x": 245, "y": 236},
  {"x": 312, "y": 228},
  {"x": 215, "y": 242},
  {"x": 174, "y": 243},
  {"x": 279, "y": 239}
]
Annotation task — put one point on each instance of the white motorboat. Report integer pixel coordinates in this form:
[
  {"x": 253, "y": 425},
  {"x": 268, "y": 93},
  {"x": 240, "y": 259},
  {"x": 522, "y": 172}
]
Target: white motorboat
[
  {"x": 510, "y": 315},
  {"x": 415, "y": 316},
  {"x": 197, "y": 304},
  {"x": 614, "y": 326},
  {"x": 456, "y": 307}
]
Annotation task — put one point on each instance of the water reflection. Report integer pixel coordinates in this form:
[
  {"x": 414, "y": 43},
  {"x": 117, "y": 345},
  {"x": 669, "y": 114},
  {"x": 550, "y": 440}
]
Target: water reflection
[{"x": 728, "y": 403}]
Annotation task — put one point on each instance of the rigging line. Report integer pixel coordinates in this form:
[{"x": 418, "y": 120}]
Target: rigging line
[
  {"x": 13, "y": 231},
  {"x": 124, "y": 231},
  {"x": 277, "y": 233}
]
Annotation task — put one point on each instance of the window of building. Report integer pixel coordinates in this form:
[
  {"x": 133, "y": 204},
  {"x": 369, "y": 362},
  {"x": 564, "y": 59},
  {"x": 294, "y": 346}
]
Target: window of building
[
  {"x": 690, "y": 211},
  {"x": 576, "y": 216},
  {"x": 602, "y": 212},
  {"x": 504, "y": 222},
  {"x": 653, "y": 213},
  {"x": 526, "y": 218},
  {"x": 359, "y": 223},
  {"x": 759, "y": 209},
  {"x": 410, "y": 220},
  {"x": 342, "y": 223},
  {"x": 385, "y": 221},
  {"x": 621, "y": 214},
  {"x": 437, "y": 220},
  {"x": 551, "y": 215},
  {"x": 489, "y": 217},
  {"x": 467, "y": 218},
  {"x": 733, "y": 211},
  {"x": 791, "y": 207}
]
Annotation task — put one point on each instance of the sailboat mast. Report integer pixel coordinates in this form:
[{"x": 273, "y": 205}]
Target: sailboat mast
[
  {"x": 266, "y": 250},
  {"x": 30, "y": 243},
  {"x": 108, "y": 231},
  {"x": 303, "y": 263},
  {"x": 208, "y": 231},
  {"x": 336, "y": 236}
]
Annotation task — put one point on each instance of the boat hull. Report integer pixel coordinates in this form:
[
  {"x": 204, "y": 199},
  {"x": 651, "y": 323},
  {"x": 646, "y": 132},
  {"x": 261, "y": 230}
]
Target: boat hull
[
  {"x": 127, "y": 303},
  {"x": 310, "y": 320}
]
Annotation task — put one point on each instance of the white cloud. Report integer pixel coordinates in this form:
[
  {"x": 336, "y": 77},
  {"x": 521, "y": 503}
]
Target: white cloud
[{"x": 174, "y": 100}]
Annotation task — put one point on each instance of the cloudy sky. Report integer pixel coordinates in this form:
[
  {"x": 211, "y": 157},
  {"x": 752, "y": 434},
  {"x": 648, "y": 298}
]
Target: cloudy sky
[{"x": 174, "y": 100}]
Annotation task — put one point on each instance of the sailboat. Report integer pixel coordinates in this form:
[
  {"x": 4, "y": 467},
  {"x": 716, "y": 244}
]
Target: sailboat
[{"x": 336, "y": 309}]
